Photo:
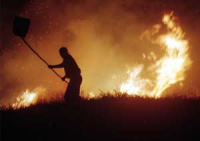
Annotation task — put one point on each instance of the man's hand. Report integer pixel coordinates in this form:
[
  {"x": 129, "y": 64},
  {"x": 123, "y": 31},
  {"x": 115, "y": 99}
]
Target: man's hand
[
  {"x": 50, "y": 66},
  {"x": 63, "y": 78}
]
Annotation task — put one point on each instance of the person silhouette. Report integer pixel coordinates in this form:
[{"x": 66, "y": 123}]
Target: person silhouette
[{"x": 73, "y": 72}]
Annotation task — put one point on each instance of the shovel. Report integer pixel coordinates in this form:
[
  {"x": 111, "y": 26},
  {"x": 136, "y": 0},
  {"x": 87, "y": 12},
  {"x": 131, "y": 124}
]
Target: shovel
[{"x": 20, "y": 28}]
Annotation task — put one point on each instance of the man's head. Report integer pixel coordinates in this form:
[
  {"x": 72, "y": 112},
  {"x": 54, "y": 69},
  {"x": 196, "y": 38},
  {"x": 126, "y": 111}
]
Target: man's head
[{"x": 63, "y": 52}]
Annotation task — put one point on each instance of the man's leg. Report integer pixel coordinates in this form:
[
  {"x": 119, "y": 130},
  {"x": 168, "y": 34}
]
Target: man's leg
[
  {"x": 73, "y": 89},
  {"x": 68, "y": 92},
  {"x": 77, "y": 87}
]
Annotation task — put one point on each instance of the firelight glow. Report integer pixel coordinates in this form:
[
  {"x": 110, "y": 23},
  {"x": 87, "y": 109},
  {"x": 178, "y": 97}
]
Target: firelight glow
[
  {"x": 169, "y": 69},
  {"x": 25, "y": 100},
  {"x": 28, "y": 98}
]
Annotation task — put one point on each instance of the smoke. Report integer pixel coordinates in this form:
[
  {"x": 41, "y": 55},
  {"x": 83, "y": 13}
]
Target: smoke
[{"x": 103, "y": 37}]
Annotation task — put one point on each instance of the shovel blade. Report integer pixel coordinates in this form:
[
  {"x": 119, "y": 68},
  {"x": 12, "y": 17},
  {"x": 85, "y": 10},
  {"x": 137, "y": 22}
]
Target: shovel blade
[{"x": 21, "y": 26}]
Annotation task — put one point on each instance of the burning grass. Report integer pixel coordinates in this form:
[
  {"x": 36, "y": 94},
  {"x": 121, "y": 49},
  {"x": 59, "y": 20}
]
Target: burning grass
[{"x": 30, "y": 99}]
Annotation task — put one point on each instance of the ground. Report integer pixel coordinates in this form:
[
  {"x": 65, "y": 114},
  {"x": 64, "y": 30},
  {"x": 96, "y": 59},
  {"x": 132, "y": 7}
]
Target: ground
[{"x": 106, "y": 119}]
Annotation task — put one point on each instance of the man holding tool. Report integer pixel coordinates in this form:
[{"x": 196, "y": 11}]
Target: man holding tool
[{"x": 73, "y": 72}]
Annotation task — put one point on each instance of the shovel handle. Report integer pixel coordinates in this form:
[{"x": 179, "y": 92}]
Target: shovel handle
[{"x": 29, "y": 46}]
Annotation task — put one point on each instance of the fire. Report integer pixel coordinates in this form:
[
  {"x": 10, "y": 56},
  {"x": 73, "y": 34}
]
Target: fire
[
  {"x": 28, "y": 98},
  {"x": 135, "y": 85},
  {"x": 169, "y": 69},
  {"x": 25, "y": 100},
  {"x": 166, "y": 70}
]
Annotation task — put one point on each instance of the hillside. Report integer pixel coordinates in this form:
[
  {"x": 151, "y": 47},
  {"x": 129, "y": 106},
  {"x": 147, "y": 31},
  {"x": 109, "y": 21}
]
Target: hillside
[{"x": 107, "y": 118}]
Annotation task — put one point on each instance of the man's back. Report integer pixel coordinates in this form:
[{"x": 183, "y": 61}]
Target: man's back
[{"x": 70, "y": 66}]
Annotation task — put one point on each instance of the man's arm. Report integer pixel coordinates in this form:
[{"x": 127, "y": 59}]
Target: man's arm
[{"x": 56, "y": 66}]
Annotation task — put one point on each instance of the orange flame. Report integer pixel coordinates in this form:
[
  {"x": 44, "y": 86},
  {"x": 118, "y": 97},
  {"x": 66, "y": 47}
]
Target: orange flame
[
  {"x": 169, "y": 69},
  {"x": 28, "y": 98}
]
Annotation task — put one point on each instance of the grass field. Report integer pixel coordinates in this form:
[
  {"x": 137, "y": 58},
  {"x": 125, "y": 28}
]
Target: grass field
[{"x": 106, "y": 119}]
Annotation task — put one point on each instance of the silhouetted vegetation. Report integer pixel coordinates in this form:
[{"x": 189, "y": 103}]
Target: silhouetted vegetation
[{"x": 107, "y": 118}]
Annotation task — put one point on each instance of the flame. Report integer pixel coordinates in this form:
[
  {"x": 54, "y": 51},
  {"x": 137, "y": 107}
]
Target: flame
[
  {"x": 135, "y": 85},
  {"x": 28, "y": 98},
  {"x": 169, "y": 69},
  {"x": 25, "y": 100}
]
